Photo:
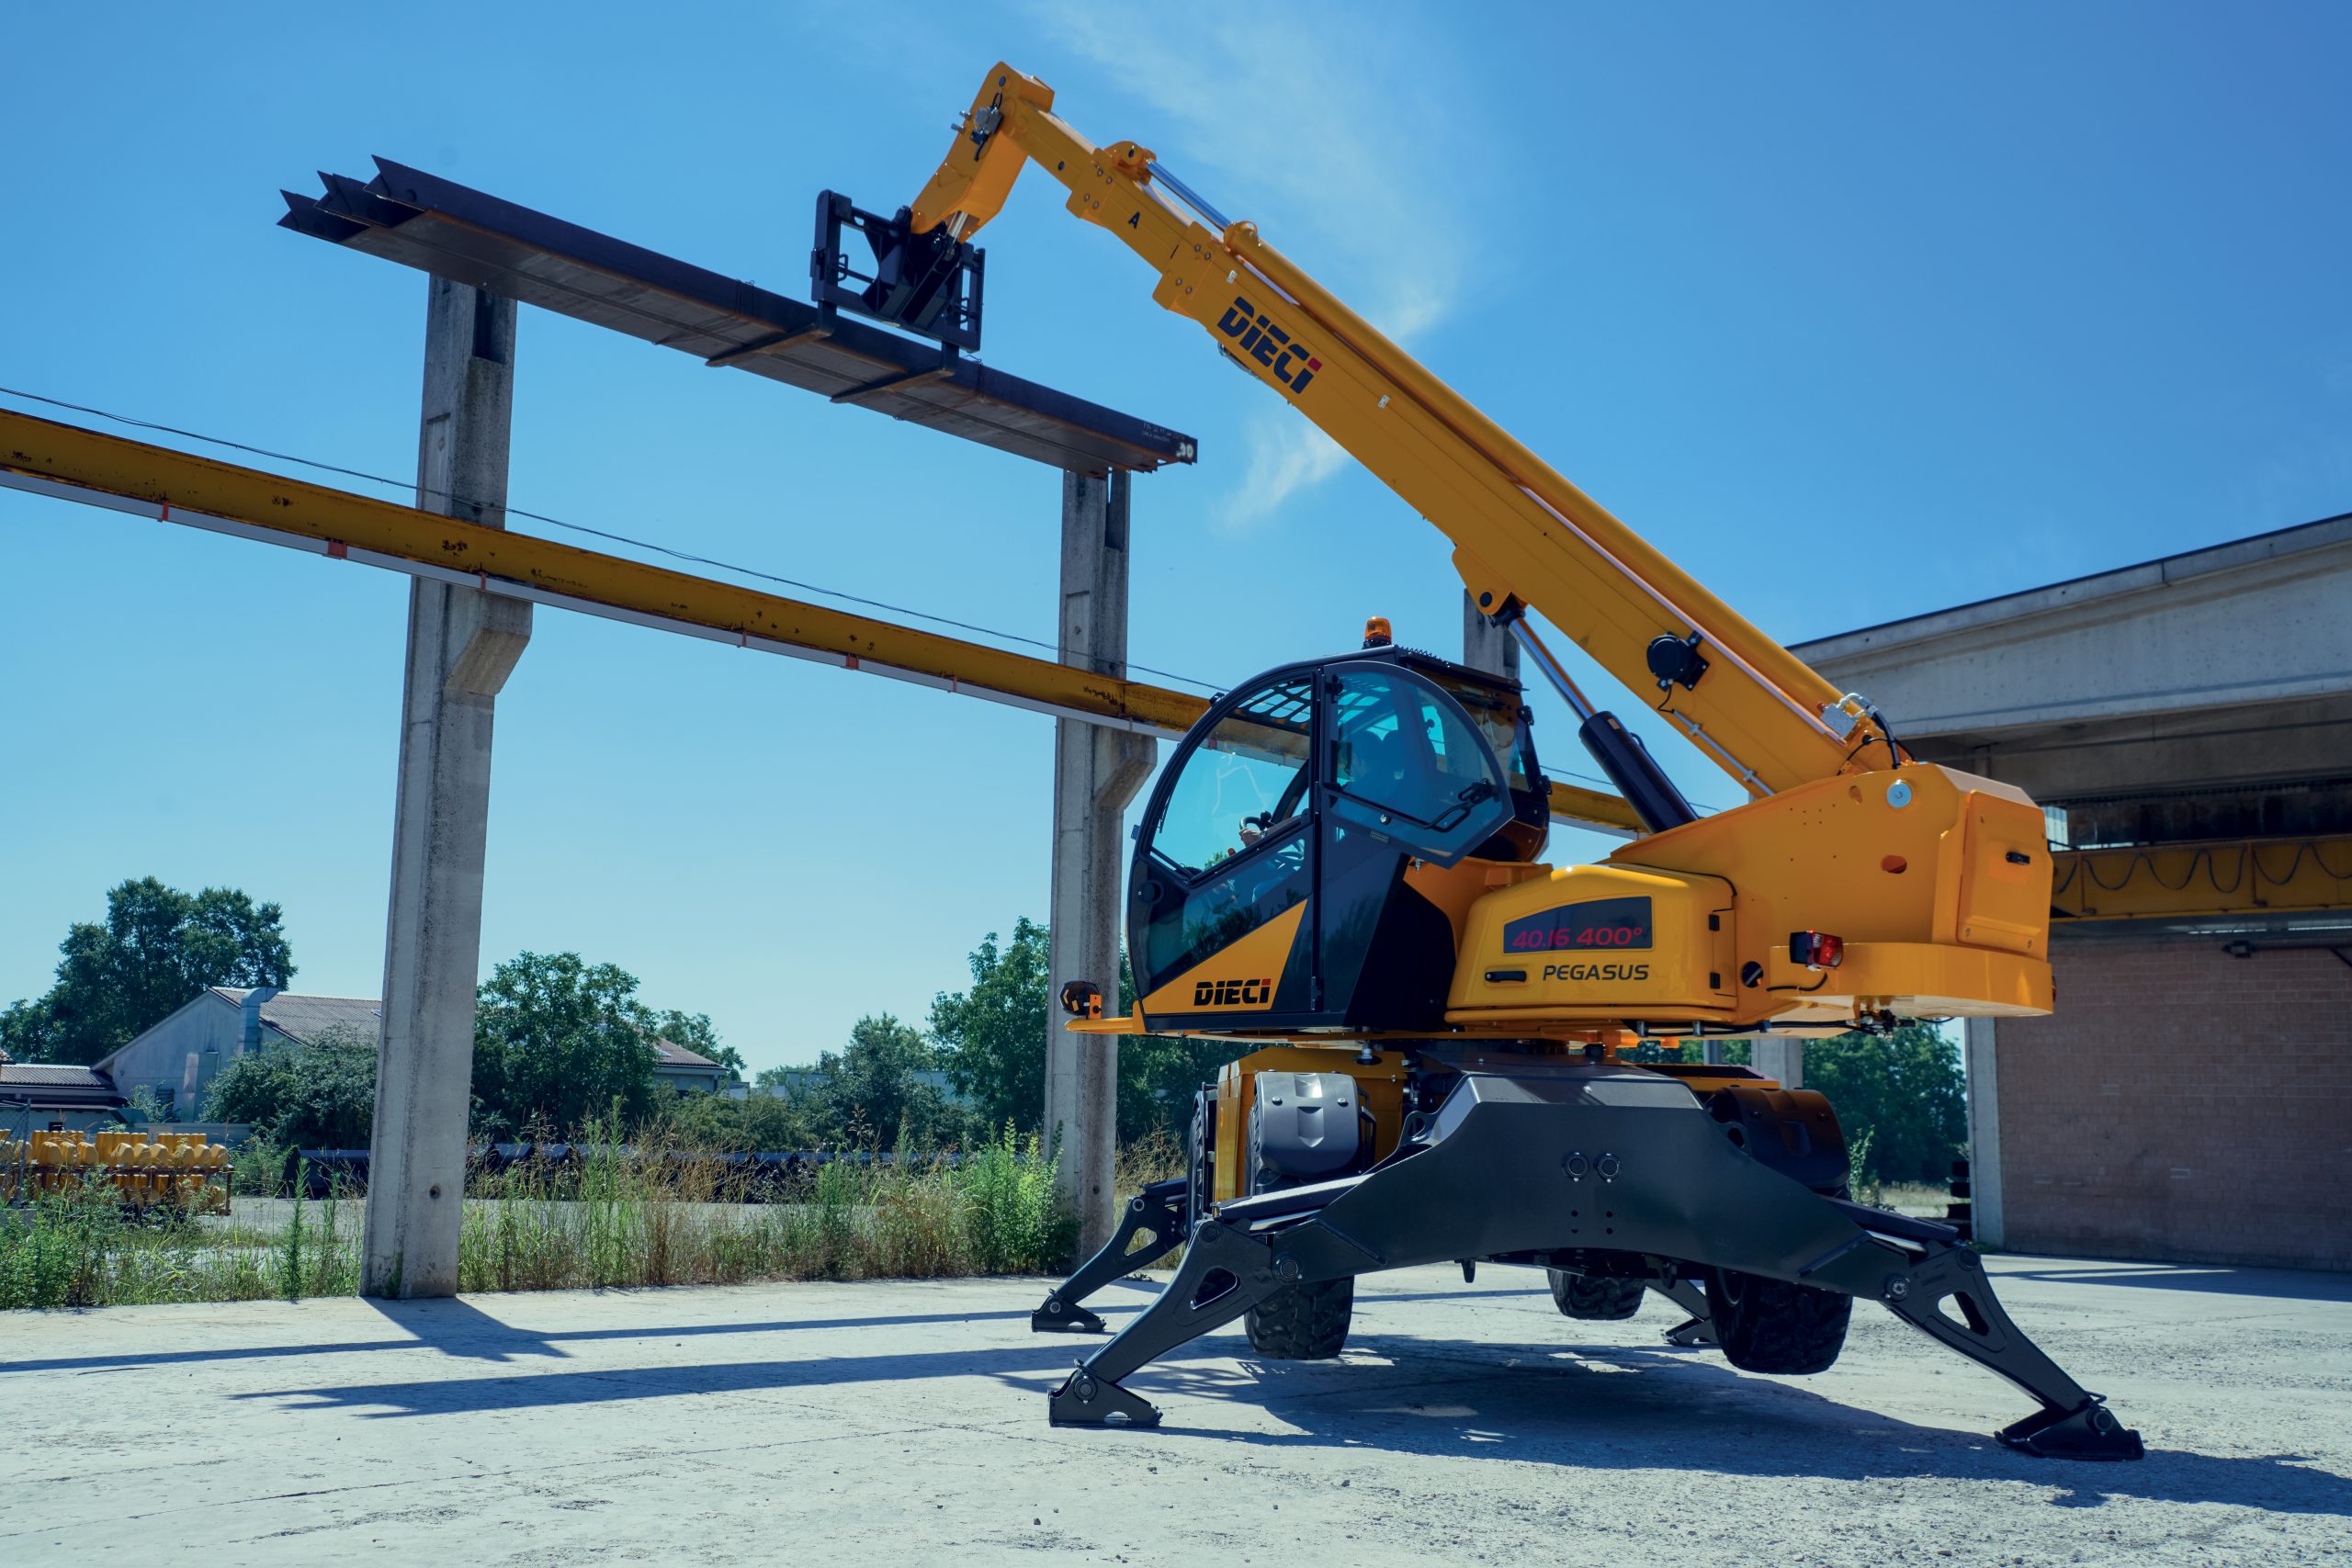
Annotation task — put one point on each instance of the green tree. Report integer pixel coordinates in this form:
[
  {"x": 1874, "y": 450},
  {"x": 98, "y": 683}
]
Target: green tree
[
  {"x": 775, "y": 1077},
  {"x": 1159, "y": 1074},
  {"x": 992, "y": 1043},
  {"x": 1904, "y": 1091},
  {"x": 558, "y": 1040},
  {"x": 157, "y": 949},
  {"x": 991, "y": 1038},
  {"x": 873, "y": 1087},
  {"x": 320, "y": 1094},
  {"x": 759, "y": 1123}
]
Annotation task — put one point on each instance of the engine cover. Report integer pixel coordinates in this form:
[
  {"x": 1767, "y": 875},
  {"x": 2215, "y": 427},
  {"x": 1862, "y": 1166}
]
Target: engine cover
[{"x": 1303, "y": 1127}]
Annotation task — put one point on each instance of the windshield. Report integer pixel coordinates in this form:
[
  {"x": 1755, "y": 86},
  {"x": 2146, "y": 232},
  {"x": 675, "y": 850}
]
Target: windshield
[{"x": 1248, "y": 774}]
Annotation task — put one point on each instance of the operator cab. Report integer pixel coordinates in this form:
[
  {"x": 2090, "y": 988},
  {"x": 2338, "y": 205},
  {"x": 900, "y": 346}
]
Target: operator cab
[{"x": 1268, "y": 886}]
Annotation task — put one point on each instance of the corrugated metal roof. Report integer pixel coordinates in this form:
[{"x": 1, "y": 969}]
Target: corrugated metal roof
[
  {"x": 47, "y": 1075},
  {"x": 438, "y": 226},
  {"x": 305, "y": 1018}
]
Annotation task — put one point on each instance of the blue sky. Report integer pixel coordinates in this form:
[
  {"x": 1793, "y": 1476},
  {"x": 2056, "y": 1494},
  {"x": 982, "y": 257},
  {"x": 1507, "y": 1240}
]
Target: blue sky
[{"x": 1857, "y": 312}]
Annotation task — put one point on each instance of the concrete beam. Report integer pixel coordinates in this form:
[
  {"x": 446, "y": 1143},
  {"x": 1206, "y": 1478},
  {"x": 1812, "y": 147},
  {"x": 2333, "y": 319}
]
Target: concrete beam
[
  {"x": 2170, "y": 636},
  {"x": 1097, "y": 772},
  {"x": 2203, "y": 748},
  {"x": 462, "y": 645},
  {"x": 1780, "y": 1057},
  {"x": 1986, "y": 1220},
  {"x": 1486, "y": 645}
]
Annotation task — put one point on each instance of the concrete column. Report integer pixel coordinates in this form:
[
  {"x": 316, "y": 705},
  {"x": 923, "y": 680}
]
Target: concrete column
[
  {"x": 1985, "y": 1212},
  {"x": 1780, "y": 1057},
  {"x": 1096, "y": 772},
  {"x": 1484, "y": 646},
  {"x": 462, "y": 644}
]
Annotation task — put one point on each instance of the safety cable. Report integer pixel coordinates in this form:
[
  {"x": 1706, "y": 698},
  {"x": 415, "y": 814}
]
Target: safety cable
[{"x": 582, "y": 528}]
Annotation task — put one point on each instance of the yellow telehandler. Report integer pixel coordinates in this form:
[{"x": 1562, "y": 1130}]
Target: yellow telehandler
[{"x": 1339, "y": 866}]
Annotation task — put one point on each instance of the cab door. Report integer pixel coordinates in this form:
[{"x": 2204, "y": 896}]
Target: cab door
[
  {"x": 1223, "y": 870},
  {"x": 1406, "y": 775}
]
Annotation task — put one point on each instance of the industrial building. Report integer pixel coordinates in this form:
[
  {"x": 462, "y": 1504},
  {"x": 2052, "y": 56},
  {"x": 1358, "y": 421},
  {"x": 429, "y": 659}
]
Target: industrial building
[
  {"x": 178, "y": 1057},
  {"x": 2187, "y": 723},
  {"x": 50, "y": 1096}
]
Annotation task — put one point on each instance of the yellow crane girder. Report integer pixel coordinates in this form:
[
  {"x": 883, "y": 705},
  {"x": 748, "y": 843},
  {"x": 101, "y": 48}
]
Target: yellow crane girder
[{"x": 75, "y": 464}]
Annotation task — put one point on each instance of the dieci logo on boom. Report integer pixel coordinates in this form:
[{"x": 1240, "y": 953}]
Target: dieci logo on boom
[{"x": 1293, "y": 365}]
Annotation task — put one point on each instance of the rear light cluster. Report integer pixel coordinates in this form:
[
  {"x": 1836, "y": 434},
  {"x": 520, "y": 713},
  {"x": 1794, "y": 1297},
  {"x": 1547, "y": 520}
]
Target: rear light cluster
[{"x": 1816, "y": 949}]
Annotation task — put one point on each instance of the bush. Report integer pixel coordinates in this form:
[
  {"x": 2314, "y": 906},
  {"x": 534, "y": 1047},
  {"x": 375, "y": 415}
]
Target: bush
[
  {"x": 874, "y": 1092},
  {"x": 1015, "y": 1223},
  {"x": 318, "y": 1095}
]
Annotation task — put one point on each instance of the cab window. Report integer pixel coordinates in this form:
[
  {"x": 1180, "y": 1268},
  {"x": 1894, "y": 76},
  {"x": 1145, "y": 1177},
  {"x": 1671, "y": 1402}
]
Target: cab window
[
  {"x": 1247, "y": 777},
  {"x": 1496, "y": 714},
  {"x": 1398, "y": 744}
]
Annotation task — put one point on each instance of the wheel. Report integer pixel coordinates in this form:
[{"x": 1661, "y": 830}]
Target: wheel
[
  {"x": 1303, "y": 1322},
  {"x": 1770, "y": 1326},
  {"x": 1595, "y": 1299}
]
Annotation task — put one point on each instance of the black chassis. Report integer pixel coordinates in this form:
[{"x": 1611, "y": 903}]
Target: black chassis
[{"x": 1511, "y": 1168}]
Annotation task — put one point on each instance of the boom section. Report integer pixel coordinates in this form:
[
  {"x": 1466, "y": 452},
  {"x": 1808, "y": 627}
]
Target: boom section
[{"x": 1523, "y": 536}]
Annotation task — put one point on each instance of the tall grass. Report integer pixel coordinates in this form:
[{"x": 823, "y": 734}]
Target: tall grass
[
  {"x": 668, "y": 1217},
  {"x": 612, "y": 1215},
  {"x": 80, "y": 1247}
]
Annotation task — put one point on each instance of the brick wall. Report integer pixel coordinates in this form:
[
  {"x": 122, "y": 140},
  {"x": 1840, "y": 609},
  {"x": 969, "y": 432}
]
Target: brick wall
[{"x": 2182, "y": 1104}]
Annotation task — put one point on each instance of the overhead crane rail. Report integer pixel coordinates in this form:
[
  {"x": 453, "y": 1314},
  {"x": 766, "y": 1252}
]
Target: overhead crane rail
[{"x": 2217, "y": 877}]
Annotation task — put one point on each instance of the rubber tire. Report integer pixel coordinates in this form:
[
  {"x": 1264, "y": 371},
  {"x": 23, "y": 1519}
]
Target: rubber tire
[
  {"x": 1770, "y": 1326},
  {"x": 1303, "y": 1322},
  {"x": 1595, "y": 1299}
]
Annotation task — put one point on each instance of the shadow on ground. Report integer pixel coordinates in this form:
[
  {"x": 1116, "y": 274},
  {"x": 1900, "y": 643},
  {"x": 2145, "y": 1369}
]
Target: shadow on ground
[
  {"x": 1634, "y": 1409},
  {"x": 2278, "y": 1284},
  {"x": 1598, "y": 1409}
]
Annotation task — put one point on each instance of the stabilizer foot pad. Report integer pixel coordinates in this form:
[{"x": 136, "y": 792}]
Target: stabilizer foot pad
[
  {"x": 1084, "y": 1400},
  {"x": 1059, "y": 1317},
  {"x": 2090, "y": 1432},
  {"x": 1689, "y": 1331}
]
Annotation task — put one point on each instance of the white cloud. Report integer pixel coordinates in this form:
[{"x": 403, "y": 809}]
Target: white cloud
[
  {"x": 1347, "y": 142},
  {"x": 1286, "y": 454}
]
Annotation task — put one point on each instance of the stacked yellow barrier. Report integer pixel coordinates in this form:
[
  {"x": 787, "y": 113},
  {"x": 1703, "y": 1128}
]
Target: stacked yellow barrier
[{"x": 146, "y": 1169}]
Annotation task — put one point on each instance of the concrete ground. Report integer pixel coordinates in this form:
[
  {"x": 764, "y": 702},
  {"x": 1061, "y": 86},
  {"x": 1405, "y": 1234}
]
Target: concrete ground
[{"x": 905, "y": 1423}]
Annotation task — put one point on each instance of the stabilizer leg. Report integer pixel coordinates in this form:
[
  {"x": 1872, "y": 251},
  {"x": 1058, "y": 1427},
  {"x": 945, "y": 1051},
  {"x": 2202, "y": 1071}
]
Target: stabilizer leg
[
  {"x": 2072, "y": 1422},
  {"x": 1698, "y": 1328},
  {"x": 1156, "y": 1213},
  {"x": 1226, "y": 1271}
]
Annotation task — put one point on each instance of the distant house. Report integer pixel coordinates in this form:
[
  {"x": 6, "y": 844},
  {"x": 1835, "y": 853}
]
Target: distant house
[
  {"x": 688, "y": 1072},
  {"x": 786, "y": 1082},
  {"x": 179, "y": 1057}
]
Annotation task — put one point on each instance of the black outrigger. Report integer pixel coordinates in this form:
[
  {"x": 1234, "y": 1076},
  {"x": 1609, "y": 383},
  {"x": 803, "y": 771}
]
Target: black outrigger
[{"x": 1597, "y": 1172}]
